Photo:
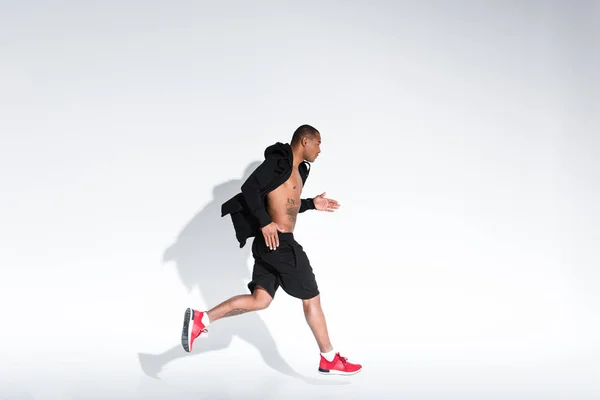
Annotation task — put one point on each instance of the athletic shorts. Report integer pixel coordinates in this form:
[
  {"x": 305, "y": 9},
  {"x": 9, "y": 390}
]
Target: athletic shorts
[{"x": 286, "y": 266}]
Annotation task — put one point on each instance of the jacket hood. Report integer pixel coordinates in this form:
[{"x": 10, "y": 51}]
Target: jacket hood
[{"x": 279, "y": 150}]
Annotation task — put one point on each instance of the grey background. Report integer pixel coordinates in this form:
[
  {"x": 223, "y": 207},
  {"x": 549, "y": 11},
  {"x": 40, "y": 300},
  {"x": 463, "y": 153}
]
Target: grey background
[{"x": 460, "y": 137}]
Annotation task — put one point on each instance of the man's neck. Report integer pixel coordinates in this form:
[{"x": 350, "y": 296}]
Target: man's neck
[{"x": 297, "y": 158}]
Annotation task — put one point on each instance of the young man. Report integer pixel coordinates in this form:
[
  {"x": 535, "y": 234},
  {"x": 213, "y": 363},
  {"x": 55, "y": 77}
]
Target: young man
[{"x": 266, "y": 209}]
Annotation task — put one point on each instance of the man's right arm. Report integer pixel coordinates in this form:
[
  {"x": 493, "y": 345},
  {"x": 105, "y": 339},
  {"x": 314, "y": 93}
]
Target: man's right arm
[{"x": 251, "y": 189}]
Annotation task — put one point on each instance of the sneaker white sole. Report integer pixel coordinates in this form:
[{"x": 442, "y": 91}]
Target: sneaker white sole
[
  {"x": 186, "y": 332},
  {"x": 335, "y": 372}
]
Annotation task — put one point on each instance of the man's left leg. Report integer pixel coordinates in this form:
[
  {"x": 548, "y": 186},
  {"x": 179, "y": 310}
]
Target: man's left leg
[
  {"x": 331, "y": 361},
  {"x": 316, "y": 321},
  {"x": 298, "y": 280}
]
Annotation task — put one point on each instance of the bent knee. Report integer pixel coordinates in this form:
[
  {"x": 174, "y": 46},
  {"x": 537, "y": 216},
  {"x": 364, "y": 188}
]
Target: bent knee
[
  {"x": 261, "y": 304},
  {"x": 262, "y": 299},
  {"x": 312, "y": 302}
]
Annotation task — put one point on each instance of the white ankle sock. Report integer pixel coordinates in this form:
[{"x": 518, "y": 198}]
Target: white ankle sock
[
  {"x": 205, "y": 319},
  {"x": 329, "y": 355}
]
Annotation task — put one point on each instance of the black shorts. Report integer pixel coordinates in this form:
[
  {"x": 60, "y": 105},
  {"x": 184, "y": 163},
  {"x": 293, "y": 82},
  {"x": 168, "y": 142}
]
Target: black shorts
[{"x": 286, "y": 266}]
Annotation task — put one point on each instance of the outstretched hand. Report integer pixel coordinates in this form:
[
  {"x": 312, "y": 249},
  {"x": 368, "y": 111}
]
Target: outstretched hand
[{"x": 324, "y": 204}]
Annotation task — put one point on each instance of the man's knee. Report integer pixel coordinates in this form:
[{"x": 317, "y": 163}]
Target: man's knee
[
  {"x": 262, "y": 299},
  {"x": 261, "y": 304},
  {"x": 312, "y": 302}
]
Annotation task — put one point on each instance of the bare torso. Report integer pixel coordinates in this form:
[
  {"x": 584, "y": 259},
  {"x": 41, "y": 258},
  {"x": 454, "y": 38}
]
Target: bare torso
[{"x": 283, "y": 203}]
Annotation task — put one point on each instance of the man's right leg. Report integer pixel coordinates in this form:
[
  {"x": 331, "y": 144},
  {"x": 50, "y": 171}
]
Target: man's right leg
[
  {"x": 243, "y": 303},
  {"x": 263, "y": 286},
  {"x": 196, "y": 322}
]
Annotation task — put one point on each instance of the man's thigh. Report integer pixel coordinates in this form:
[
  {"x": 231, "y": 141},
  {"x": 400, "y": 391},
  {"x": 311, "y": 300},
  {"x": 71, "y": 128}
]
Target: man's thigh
[{"x": 295, "y": 271}]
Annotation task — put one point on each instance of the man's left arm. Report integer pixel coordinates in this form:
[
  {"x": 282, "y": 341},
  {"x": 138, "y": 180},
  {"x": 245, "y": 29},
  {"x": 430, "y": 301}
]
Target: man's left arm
[
  {"x": 320, "y": 203},
  {"x": 307, "y": 204}
]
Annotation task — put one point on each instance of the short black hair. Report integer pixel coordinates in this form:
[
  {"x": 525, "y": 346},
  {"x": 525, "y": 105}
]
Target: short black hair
[{"x": 303, "y": 131}]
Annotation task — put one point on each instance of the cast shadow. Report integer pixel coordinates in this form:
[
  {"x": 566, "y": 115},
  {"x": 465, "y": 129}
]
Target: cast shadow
[{"x": 208, "y": 257}]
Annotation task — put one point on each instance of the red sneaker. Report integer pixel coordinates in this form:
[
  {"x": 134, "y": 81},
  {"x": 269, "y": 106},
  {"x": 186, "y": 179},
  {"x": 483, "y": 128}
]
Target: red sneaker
[
  {"x": 338, "y": 366},
  {"x": 192, "y": 328}
]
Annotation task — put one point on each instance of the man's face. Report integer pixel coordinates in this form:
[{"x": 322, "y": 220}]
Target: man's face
[{"x": 312, "y": 148}]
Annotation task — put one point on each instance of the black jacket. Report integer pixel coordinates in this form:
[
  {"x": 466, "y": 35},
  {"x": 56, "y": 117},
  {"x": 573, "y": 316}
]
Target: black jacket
[{"x": 247, "y": 209}]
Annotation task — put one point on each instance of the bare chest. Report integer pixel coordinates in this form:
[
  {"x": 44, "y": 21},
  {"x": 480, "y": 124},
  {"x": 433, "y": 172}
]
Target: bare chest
[{"x": 289, "y": 191}]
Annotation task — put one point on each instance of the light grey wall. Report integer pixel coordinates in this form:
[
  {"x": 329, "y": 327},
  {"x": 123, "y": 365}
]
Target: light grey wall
[{"x": 461, "y": 138}]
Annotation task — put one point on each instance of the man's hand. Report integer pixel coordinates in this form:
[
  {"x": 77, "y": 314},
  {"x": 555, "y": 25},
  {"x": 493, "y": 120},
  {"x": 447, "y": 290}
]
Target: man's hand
[
  {"x": 324, "y": 204},
  {"x": 271, "y": 236}
]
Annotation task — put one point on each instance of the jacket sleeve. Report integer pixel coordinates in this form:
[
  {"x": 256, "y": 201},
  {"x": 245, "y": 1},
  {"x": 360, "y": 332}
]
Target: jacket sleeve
[
  {"x": 252, "y": 191},
  {"x": 306, "y": 204}
]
